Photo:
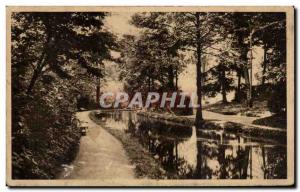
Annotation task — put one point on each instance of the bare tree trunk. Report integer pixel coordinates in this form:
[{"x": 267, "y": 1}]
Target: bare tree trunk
[
  {"x": 264, "y": 66},
  {"x": 199, "y": 116},
  {"x": 36, "y": 73},
  {"x": 203, "y": 65},
  {"x": 98, "y": 92},
  {"x": 176, "y": 79},
  {"x": 248, "y": 88},
  {"x": 152, "y": 84},
  {"x": 171, "y": 77},
  {"x": 149, "y": 83},
  {"x": 238, "y": 90},
  {"x": 223, "y": 86},
  {"x": 250, "y": 102},
  {"x": 246, "y": 76},
  {"x": 39, "y": 67},
  {"x": 247, "y": 82}
]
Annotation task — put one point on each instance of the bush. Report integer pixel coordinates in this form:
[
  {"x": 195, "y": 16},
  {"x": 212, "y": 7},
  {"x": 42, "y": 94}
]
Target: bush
[
  {"x": 277, "y": 99},
  {"x": 44, "y": 132}
]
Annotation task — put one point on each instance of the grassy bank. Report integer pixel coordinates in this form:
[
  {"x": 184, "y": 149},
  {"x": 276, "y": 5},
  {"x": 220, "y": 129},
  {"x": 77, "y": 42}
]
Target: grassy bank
[
  {"x": 276, "y": 120},
  {"x": 145, "y": 165}
]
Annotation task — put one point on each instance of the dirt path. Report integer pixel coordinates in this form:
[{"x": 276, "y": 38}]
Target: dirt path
[
  {"x": 101, "y": 156},
  {"x": 237, "y": 119},
  {"x": 248, "y": 121}
]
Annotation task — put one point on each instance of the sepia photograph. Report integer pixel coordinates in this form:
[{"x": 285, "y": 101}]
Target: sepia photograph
[{"x": 150, "y": 96}]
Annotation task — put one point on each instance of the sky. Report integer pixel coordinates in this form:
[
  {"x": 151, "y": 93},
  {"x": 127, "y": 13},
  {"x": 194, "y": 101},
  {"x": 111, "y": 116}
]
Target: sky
[{"x": 119, "y": 24}]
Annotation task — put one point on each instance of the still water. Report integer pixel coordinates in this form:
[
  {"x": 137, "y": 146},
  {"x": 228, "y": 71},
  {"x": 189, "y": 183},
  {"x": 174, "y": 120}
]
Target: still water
[{"x": 210, "y": 153}]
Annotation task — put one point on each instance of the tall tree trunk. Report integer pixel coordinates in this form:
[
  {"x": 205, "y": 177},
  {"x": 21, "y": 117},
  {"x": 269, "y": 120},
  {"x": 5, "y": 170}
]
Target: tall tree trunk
[
  {"x": 250, "y": 100},
  {"x": 171, "y": 78},
  {"x": 238, "y": 90},
  {"x": 199, "y": 116},
  {"x": 36, "y": 73},
  {"x": 203, "y": 65},
  {"x": 247, "y": 81},
  {"x": 149, "y": 83},
  {"x": 176, "y": 79},
  {"x": 245, "y": 70},
  {"x": 98, "y": 92},
  {"x": 223, "y": 86},
  {"x": 246, "y": 76},
  {"x": 152, "y": 84},
  {"x": 40, "y": 64},
  {"x": 264, "y": 65}
]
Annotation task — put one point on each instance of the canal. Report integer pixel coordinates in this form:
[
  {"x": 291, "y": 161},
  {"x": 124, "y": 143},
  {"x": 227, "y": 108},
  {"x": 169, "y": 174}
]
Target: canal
[{"x": 191, "y": 153}]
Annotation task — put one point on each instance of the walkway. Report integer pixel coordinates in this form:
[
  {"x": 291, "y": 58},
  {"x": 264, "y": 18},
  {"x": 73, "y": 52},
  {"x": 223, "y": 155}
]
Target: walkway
[
  {"x": 101, "y": 156},
  {"x": 208, "y": 115}
]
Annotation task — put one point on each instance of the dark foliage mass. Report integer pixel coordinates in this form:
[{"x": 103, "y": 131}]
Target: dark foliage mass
[
  {"x": 220, "y": 44},
  {"x": 55, "y": 58}
]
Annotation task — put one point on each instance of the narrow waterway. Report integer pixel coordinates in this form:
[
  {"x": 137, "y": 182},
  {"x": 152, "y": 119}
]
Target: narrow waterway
[{"x": 202, "y": 154}]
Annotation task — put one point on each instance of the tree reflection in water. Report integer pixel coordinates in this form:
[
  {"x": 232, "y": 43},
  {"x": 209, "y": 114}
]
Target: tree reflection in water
[{"x": 205, "y": 153}]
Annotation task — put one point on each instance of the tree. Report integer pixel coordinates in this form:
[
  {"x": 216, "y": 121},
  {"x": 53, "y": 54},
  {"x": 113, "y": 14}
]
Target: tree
[
  {"x": 219, "y": 79},
  {"x": 250, "y": 30},
  {"x": 53, "y": 55},
  {"x": 238, "y": 27},
  {"x": 193, "y": 33},
  {"x": 271, "y": 37},
  {"x": 198, "y": 33},
  {"x": 154, "y": 55},
  {"x": 69, "y": 36}
]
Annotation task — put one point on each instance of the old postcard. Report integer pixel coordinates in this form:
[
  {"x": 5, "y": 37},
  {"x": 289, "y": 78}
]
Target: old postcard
[{"x": 150, "y": 96}]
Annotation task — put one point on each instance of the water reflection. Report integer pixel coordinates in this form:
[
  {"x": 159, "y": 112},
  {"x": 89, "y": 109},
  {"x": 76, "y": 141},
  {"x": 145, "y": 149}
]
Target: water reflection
[{"x": 185, "y": 152}]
